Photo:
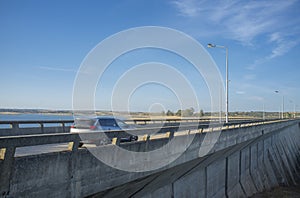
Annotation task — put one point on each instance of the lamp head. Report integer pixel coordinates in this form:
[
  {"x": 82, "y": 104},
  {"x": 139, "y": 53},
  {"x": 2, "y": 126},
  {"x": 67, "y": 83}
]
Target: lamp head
[{"x": 211, "y": 45}]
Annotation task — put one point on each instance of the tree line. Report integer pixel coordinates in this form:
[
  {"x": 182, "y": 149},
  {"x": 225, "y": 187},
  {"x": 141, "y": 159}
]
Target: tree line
[{"x": 184, "y": 113}]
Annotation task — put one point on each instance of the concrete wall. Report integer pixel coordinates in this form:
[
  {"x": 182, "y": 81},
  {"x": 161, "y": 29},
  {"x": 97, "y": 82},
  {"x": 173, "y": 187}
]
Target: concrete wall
[
  {"x": 241, "y": 170},
  {"x": 244, "y": 161}
]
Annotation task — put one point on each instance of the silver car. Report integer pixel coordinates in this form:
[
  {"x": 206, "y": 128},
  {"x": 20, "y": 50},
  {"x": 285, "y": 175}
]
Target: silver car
[{"x": 82, "y": 125}]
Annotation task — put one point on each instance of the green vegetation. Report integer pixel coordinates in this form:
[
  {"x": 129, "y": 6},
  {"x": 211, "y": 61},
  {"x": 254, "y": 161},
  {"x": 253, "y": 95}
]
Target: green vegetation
[{"x": 190, "y": 112}]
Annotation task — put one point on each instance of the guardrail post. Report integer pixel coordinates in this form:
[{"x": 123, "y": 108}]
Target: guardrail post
[
  {"x": 73, "y": 146},
  {"x": 2, "y": 153},
  {"x": 42, "y": 127},
  {"x": 6, "y": 169},
  {"x": 116, "y": 141},
  {"x": 170, "y": 134},
  {"x": 15, "y": 127},
  {"x": 146, "y": 137},
  {"x": 63, "y": 127}
]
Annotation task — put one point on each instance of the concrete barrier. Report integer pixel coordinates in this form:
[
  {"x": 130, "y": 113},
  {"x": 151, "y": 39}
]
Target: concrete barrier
[{"x": 246, "y": 159}]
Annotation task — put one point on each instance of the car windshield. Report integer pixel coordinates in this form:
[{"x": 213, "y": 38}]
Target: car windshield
[
  {"x": 84, "y": 123},
  {"x": 107, "y": 122}
]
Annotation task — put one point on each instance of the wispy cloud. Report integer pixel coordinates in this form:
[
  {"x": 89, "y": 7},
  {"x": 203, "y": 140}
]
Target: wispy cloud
[
  {"x": 247, "y": 22},
  {"x": 249, "y": 76},
  {"x": 283, "y": 44},
  {"x": 240, "y": 92},
  {"x": 56, "y": 69},
  {"x": 238, "y": 19},
  {"x": 255, "y": 98},
  {"x": 187, "y": 8}
]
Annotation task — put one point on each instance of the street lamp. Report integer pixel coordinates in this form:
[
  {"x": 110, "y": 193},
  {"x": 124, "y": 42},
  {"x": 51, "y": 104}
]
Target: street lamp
[
  {"x": 226, "y": 100},
  {"x": 264, "y": 117},
  {"x": 282, "y": 113}
]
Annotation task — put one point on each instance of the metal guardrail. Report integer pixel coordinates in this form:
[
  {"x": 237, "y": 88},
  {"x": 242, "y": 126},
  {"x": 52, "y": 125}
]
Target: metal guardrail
[
  {"x": 35, "y": 121},
  {"x": 27, "y": 127},
  {"x": 41, "y": 123},
  {"x": 167, "y": 120},
  {"x": 145, "y": 133},
  {"x": 63, "y": 123},
  {"x": 15, "y": 124},
  {"x": 126, "y": 120}
]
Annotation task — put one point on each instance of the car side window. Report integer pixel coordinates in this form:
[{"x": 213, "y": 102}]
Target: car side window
[
  {"x": 107, "y": 122},
  {"x": 122, "y": 124}
]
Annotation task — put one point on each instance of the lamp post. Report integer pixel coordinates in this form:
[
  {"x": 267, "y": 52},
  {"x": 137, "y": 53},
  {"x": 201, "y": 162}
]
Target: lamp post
[
  {"x": 220, "y": 113},
  {"x": 264, "y": 117},
  {"x": 282, "y": 113},
  {"x": 226, "y": 98}
]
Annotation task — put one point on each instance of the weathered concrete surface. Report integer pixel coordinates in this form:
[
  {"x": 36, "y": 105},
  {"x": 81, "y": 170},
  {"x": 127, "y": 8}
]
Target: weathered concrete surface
[
  {"x": 242, "y": 162},
  {"x": 237, "y": 173},
  {"x": 280, "y": 192}
]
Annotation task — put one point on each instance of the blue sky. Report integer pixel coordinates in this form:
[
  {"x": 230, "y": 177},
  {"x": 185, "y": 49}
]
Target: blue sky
[{"x": 44, "y": 42}]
